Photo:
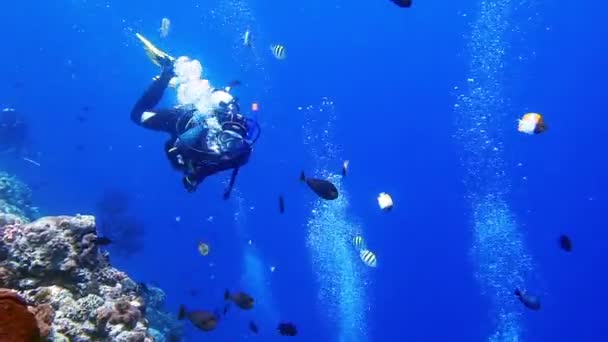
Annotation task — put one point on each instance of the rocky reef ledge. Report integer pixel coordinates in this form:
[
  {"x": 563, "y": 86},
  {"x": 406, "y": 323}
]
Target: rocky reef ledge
[{"x": 56, "y": 284}]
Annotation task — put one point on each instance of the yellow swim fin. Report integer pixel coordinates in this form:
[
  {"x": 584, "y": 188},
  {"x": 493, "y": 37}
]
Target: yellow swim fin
[{"x": 155, "y": 54}]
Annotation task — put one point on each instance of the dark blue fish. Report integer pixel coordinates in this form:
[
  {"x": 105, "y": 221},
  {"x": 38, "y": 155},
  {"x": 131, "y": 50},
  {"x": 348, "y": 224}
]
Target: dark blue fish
[
  {"x": 281, "y": 204},
  {"x": 241, "y": 299},
  {"x": 403, "y": 3},
  {"x": 565, "y": 243},
  {"x": 203, "y": 320},
  {"x": 102, "y": 241},
  {"x": 253, "y": 327},
  {"x": 529, "y": 301},
  {"x": 325, "y": 189},
  {"x": 287, "y": 329}
]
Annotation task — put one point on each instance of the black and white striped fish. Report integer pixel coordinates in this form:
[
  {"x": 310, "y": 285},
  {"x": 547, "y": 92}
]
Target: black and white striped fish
[
  {"x": 359, "y": 243},
  {"x": 368, "y": 258},
  {"x": 278, "y": 51}
]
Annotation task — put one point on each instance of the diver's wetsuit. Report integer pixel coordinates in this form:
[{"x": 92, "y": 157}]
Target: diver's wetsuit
[{"x": 196, "y": 163}]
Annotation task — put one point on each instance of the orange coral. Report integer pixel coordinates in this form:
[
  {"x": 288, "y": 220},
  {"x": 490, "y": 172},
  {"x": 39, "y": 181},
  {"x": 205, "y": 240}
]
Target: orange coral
[
  {"x": 45, "y": 314},
  {"x": 16, "y": 322}
]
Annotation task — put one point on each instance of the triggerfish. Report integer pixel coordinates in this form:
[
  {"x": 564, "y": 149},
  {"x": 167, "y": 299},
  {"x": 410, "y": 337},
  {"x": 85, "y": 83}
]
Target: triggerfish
[
  {"x": 529, "y": 301},
  {"x": 287, "y": 329},
  {"x": 203, "y": 320},
  {"x": 241, "y": 299},
  {"x": 325, "y": 189}
]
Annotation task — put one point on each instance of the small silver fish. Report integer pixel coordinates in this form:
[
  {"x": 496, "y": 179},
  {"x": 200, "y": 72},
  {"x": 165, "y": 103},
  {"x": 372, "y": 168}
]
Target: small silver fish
[{"x": 247, "y": 37}]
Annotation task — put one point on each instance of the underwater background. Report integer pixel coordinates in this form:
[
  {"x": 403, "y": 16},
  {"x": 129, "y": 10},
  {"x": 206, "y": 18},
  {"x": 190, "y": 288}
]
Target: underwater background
[{"x": 424, "y": 104}]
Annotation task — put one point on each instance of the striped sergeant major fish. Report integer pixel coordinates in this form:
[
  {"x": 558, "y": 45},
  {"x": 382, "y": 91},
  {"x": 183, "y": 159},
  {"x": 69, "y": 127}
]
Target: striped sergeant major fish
[
  {"x": 368, "y": 258},
  {"x": 278, "y": 51},
  {"x": 359, "y": 243}
]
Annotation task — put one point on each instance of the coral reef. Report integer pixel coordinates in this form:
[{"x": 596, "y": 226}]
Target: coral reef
[
  {"x": 74, "y": 293},
  {"x": 45, "y": 315},
  {"x": 16, "y": 198},
  {"x": 163, "y": 326}
]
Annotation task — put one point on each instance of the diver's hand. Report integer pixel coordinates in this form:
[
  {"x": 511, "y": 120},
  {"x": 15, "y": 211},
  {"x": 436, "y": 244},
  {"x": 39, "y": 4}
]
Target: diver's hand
[
  {"x": 227, "y": 194},
  {"x": 167, "y": 67},
  {"x": 189, "y": 185}
]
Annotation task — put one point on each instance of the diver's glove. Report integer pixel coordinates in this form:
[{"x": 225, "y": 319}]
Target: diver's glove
[
  {"x": 167, "y": 68},
  {"x": 189, "y": 185}
]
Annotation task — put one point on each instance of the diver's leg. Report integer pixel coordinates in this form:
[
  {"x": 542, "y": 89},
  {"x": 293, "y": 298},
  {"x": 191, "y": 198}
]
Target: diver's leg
[
  {"x": 228, "y": 191},
  {"x": 143, "y": 112}
]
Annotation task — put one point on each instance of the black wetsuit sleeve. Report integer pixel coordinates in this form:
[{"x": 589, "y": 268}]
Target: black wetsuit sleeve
[{"x": 159, "y": 119}]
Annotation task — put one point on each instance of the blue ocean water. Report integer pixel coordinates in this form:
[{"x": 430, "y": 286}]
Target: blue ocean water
[{"x": 424, "y": 103}]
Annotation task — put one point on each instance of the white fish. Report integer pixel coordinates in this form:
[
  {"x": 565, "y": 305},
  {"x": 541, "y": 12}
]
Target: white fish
[
  {"x": 385, "y": 201},
  {"x": 247, "y": 37},
  {"x": 368, "y": 258},
  {"x": 278, "y": 51},
  {"x": 165, "y": 25},
  {"x": 358, "y": 242},
  {"x": 531, "y": 123}
]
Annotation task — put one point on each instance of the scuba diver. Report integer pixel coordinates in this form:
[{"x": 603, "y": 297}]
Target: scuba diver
[
  {"x": 201, "y": 143},
  {"x": 13, "y": 131}
]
